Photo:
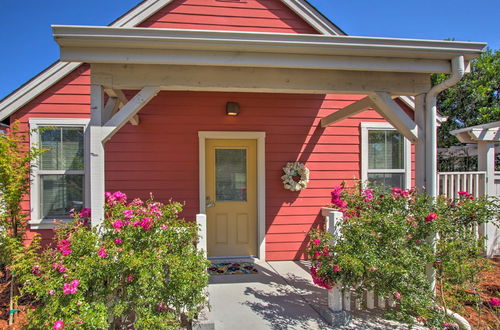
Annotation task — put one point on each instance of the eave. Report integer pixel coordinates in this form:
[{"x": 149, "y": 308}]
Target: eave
[{"x": 195, "y": 47}]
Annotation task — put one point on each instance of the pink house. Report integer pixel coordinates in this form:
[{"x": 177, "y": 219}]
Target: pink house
[{"x": 205, "y": 102}]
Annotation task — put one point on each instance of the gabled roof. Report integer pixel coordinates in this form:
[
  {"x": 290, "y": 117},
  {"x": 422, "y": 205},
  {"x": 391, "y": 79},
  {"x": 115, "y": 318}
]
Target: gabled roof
[{"x": 58, "y": 70}]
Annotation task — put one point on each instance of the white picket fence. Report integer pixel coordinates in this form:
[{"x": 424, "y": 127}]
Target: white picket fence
[
  {"x": 346, "y": 299},
  {"x": 450, "y": 183}
]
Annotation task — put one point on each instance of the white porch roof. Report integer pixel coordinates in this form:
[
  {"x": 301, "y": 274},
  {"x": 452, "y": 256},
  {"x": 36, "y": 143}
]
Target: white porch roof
[{"x": 481, "y": 133}]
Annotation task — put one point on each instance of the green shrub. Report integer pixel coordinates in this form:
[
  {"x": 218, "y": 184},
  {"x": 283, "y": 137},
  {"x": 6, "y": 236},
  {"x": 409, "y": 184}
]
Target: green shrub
[
  {"x": 384, "y": 246},
  {"x": 140, "y": 267}
]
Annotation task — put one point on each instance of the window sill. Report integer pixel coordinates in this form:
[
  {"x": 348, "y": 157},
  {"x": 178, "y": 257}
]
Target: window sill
[{"x": 47, "y": 223}]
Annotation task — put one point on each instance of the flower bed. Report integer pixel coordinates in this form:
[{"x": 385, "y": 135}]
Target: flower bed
[
  {"x": 383, "y": 245},
  {"x": 140, "y": 268}
]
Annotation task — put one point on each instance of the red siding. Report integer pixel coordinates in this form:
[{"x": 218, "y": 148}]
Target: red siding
[
  {"x": 161, "y": 154},
  {"x": 234, "y": 15}
]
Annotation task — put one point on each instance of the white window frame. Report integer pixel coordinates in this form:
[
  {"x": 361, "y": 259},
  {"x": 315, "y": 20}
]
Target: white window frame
[
  {"x": 379, "y": 126},
  {"x": 36, "y": 221}
]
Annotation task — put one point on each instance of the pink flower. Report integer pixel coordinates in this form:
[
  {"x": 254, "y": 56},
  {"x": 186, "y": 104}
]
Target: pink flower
[
  {"x": 102, "y": 253},
  {"x": 58, "y": 324},
  {"x": 78, "y": 303},
  {"x": 145, "y": 223},
  {"x": 336, "y": 269},
  {"x": 36, "y": 270},
  {"x": 319, "y": 280},
  {"x": 64, "y": 247},
  {"x": 396, "y": 191},
  {"x": 137, "y": 202},
  {"x": 65, "y": 275},
  {"x": 85, "y": 213},
  {"x": 326, "y": 252},
  {"x": 118, "y": 224},
  {"x": 161, "y": 306},
  {"x": 118, "y": 241},
  {"x": 368, "y": 194},
  {"x": 397, "y": 295},
  {"x": 431, "y": 217},
  {"x": 447, "y": 325},
  {"x": 437, "y": 263},
  {"x": 130, "y": 278},
  {"x": 51, "y": 292},
  {"x": 163, "y": 227},
  {"x": 316, "y": 241},
  {"x": 71, "y": 288},
  {"x": 120, "y": 197},
  {"x": 62, "y": 269},
  {"x": 336, "y": 198},
  {"x": 317, "y": 254},
  {"x": 128, "y": 214},
  {"x": 373, "y": 269},
  {"x": 494, "y": 302}
]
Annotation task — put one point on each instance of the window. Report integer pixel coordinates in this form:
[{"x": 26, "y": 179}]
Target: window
[
  {"x": 385, "y": 155},
  {"x": 58, "y": 183}
]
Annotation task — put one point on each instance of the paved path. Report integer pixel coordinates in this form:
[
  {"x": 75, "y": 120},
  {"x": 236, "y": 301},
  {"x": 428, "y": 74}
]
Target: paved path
[{"x": 280, "y": 296}]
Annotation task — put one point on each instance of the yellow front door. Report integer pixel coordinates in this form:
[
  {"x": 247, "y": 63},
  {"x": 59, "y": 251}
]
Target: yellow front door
[{"x": 231, "y": 197}]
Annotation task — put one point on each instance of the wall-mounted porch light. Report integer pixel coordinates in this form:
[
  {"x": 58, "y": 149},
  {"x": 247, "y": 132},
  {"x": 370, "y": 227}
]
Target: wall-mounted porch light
[{"x": 232, "y": 109}]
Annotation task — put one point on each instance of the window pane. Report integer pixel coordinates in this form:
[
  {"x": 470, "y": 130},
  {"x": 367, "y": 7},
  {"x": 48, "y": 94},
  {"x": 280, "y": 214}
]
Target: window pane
[
  {"x": 231, "y": 174},
  {"x": 60, "y": 194},
  {"x": 50, "y": 139},
  {"x": 64, "y": 148},
  {"x": 388, "y": 179},
  {"x": 72, "y": 148},
  {"x": 385, "y": 149}
]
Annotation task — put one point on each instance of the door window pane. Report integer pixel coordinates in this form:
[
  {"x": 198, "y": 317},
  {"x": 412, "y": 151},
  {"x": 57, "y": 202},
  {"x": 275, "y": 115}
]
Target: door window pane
[
  {"x": 64, "y": 148},
  {"x": 385, "y": 150},
  {"x": 60, "y": 194},
  {"x": 231, "y": 174}
]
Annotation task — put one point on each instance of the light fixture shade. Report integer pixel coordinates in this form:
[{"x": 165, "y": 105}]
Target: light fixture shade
[{"x": 232, "y": 109}]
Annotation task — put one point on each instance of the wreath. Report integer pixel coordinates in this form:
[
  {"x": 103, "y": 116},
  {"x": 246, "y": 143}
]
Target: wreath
[{"x": 296, "y": 176}]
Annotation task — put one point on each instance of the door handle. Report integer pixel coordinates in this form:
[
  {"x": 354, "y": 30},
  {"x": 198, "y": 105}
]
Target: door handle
[{"x": 209, "y": 202}]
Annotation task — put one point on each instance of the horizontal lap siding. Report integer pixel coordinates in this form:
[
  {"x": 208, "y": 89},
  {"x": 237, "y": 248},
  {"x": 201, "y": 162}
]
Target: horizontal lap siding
[
  {"x": 248, "y": 15},
  {"x": 161, "y": 154},
  {"x": 68, "y": 98}
]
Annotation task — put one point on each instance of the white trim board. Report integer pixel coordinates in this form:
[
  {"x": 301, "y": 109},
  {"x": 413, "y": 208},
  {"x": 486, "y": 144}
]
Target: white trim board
[
  {"x": 55, "y": 72},
  {"x": 35, "y": 219},
  {"x": 365, "y": 127},
  {"x": 261, "y": 177}
]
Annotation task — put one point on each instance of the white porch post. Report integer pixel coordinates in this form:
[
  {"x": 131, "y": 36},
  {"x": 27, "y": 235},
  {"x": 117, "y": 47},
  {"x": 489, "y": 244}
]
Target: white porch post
[
  {"x": 486, "y": 163},
  {"x": 96, "y": 154},
  {"x": 420, "y": 148}
]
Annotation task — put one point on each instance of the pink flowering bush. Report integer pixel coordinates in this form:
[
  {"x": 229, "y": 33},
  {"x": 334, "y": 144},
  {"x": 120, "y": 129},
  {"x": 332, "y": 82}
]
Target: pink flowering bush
[
  {"x": 140, "y": 268},
  {"x": 383, "y": 245}
]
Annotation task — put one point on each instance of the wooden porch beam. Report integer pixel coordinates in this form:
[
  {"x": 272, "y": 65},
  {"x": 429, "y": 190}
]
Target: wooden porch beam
[
  {"x": 128, "y": 111},
  {"x": 348, "y": 111},
  {"x": 393, "y": 113},
  {"x": 256, "y": 80},
  {"x": 122, "y": 100}
]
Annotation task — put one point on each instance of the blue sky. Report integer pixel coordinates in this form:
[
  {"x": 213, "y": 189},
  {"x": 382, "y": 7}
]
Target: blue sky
[{"x": 28, "y": 47}]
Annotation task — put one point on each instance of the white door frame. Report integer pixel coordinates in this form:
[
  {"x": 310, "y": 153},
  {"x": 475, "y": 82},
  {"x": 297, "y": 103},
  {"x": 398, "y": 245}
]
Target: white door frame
[{"x": 261, "y": 177}]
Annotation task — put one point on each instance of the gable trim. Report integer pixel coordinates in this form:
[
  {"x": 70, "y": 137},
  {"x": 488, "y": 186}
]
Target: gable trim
[{"x": 313, "y": 17}]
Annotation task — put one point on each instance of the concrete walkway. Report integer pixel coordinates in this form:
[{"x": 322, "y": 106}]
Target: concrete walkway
[{"x": 280, "y": 296}]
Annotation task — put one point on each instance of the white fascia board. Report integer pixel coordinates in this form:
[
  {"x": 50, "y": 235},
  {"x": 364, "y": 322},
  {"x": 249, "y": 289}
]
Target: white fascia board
[
  {"x": 146, "y": 38},
  {"x": 251, "y": 59}
]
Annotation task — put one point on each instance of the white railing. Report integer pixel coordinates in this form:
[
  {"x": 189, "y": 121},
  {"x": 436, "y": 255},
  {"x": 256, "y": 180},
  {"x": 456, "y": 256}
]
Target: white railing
[
  {"x": 201, "y": 221},
  {"x": 450, "y": 183}
]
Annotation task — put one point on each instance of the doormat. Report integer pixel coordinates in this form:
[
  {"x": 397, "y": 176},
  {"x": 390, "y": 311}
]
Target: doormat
[{"x": 229, "y": 268}]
